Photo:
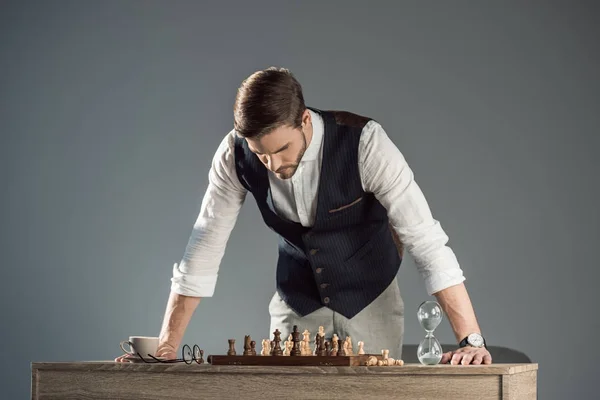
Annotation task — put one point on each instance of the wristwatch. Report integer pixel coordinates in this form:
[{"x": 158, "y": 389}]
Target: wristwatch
[{"x": 474, "y": 339}]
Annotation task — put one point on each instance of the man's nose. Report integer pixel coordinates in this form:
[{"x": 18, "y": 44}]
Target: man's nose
[{"x": 274, "y": 163}]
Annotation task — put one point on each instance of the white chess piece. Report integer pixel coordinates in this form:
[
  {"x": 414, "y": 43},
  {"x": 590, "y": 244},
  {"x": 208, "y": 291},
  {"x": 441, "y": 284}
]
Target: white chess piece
[
  {"x": 361, "y": 347},
  {"x": 348, "y": 346},
  {"x": 305, "y": 344}
]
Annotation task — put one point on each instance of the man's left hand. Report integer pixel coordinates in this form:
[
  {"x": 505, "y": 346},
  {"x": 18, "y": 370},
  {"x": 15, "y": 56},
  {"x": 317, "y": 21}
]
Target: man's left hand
[{"x": 467, "y": 355}]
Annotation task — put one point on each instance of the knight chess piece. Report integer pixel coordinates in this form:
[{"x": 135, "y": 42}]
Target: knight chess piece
[{"x": 247, "y": 350}]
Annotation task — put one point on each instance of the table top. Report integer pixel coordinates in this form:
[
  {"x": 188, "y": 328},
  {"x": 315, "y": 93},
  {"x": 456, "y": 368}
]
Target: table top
[{"x": 406, "y": 369}]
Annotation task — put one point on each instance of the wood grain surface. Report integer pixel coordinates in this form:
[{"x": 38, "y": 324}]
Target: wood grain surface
[{"x": 104, "y": 380}]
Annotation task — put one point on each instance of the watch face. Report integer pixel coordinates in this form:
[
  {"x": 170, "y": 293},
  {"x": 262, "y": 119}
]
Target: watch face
[{"x": 475, "y": 339}]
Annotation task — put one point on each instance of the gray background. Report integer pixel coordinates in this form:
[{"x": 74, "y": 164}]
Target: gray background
[{"x": 111, "y": 111}]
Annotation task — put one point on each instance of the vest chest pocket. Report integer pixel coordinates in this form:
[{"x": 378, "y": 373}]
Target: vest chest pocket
[{"x": 347, "y": 209}]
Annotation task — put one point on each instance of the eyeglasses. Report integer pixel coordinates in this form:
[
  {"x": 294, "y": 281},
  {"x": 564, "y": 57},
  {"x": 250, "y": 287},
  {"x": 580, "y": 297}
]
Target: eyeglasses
[{"x": 189, "y": 355}]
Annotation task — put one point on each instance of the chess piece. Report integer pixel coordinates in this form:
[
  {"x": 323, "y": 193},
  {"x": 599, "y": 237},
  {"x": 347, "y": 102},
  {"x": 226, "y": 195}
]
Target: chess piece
[
  {"x": 429, "y": 315},
  {"x": 266, "y": 347},
  {"x": 361, "y": 347},
  {"x": 400, "y": 362},
  {"x": 201, "y": 360},
  {"x": 321, "y": 331},
  {"x": 287, "y": 345},
  {"x": 348, "y": 346},
  {"x": 341, "y": 349},
  {"x": 253, "y": 348},
  {"x": 327, "y": 350},
  {"x": 321, "y": 348},
  {"x": 231, "y": 351},
  {"x": 305, "y": 345},
  {"x": 317, "y": 339},
  {"x": 385, "y": 353},
  {"x": 334, "y": 341},
  {"x": 295, "y": 351},
  {"x": 334, "y": 347},
  {"x": 372, "y": 360},
  {"x": 276, "y": 344},
  {"x": 247, "y": 341}
]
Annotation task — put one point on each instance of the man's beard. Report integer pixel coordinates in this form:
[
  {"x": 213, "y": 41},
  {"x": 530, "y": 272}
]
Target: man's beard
[{"x": 290, "y": 170}]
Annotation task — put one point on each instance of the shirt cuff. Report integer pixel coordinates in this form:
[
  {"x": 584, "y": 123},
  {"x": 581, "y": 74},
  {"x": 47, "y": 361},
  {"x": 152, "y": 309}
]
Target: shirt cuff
[
  {"x": 192, "y": 285},
  {"x": 442, "y": 274}
]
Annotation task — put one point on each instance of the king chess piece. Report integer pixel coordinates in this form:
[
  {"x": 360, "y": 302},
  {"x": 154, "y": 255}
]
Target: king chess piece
[
  {"x": 295, "y": 342},
  {"x": 430, "y": 315}
]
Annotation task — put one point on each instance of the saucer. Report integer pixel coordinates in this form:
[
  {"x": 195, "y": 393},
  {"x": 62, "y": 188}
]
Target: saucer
[{"x": 147, "y": 359}]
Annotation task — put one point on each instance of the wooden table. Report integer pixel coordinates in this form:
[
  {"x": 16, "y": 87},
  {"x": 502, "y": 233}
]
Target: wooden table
[{"x": 110, "y": 380}]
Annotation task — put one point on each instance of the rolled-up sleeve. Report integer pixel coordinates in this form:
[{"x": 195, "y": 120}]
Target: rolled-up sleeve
[
  {"x": 386, "y": 173},
  {"x": 196, "y": 274}
]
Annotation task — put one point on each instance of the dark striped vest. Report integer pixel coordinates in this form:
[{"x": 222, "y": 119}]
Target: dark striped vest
[{"x": 349, "y": 256}]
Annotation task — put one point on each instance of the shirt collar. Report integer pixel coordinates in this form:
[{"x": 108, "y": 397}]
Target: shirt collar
[{"x": 313, "y": 150}]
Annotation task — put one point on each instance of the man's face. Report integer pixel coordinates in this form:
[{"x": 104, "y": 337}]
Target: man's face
[{"x": 281, "y": 150}]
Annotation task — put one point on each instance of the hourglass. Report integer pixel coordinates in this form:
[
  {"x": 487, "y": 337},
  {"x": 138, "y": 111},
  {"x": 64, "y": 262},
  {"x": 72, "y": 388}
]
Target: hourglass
[{"x": 430, "y": 315}]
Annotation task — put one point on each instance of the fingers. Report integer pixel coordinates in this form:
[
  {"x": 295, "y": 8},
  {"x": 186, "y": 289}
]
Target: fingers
[
  {"x": 446, "y": 357},
  {"x": 122, "y": 358},
  {"x": 456, "y": 358},
  {"x": 487, "y": 359}
]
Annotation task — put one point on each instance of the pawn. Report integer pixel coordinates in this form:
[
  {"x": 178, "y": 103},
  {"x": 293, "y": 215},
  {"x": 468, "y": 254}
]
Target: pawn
[
  {"x": 400, "y": 362},
  {"x": 385, "y": 353},
  {"x": 201, "y": 360},
  {"x": 334, "y": 348},
  {"x": 266, "y": 350},
  {"x": 361, "y": 347},
  {"x": 391, "y": 361},
  {"x": 253, "y": 348}
]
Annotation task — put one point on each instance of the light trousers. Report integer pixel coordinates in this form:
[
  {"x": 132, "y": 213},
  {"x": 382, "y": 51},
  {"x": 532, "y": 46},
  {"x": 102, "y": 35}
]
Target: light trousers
[{"x": 380, "y": 325}]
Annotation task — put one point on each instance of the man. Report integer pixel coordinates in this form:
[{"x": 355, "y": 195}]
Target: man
[{"x": 345, "y": 206}]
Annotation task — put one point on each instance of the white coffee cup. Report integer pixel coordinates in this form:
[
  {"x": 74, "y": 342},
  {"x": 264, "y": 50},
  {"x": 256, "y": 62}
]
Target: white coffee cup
[{"x": 143, "y": 345}]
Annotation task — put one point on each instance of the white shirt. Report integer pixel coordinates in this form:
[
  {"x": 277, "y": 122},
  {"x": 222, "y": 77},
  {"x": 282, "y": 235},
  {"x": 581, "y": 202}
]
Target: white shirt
[{"x": 383, "y": 171}]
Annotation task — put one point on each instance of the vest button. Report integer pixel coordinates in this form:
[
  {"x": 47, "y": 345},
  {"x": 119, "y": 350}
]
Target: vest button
[
  {"x": 318, "y": 270},
  {"x": 313, "y": 251},
  {"x": 324, "y": 285},
  {"x": 326, "y": 300}
]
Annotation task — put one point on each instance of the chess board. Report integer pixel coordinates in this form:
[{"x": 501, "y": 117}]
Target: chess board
[{"x": 269, "y": 360}]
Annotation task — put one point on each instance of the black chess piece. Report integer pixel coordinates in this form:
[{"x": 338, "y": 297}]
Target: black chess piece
[
  {"x": 295, "y": 342},
  {"x": 247, "y": 347},
  {"x": 253, "y": 348},
  {"x": 341, "y": 351},
  {"x": 327, "y": 350},
  {"x": 321, "y": 350},
  {"x": 276, "y": 351},
  {"x": 334, "y": 349},
  {"x": 231, "y": 351},
  {"x": 201, "y": 360}
]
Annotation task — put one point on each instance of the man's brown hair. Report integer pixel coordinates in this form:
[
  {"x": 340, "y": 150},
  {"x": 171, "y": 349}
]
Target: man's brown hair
[{"x": 266, "y": 100}]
